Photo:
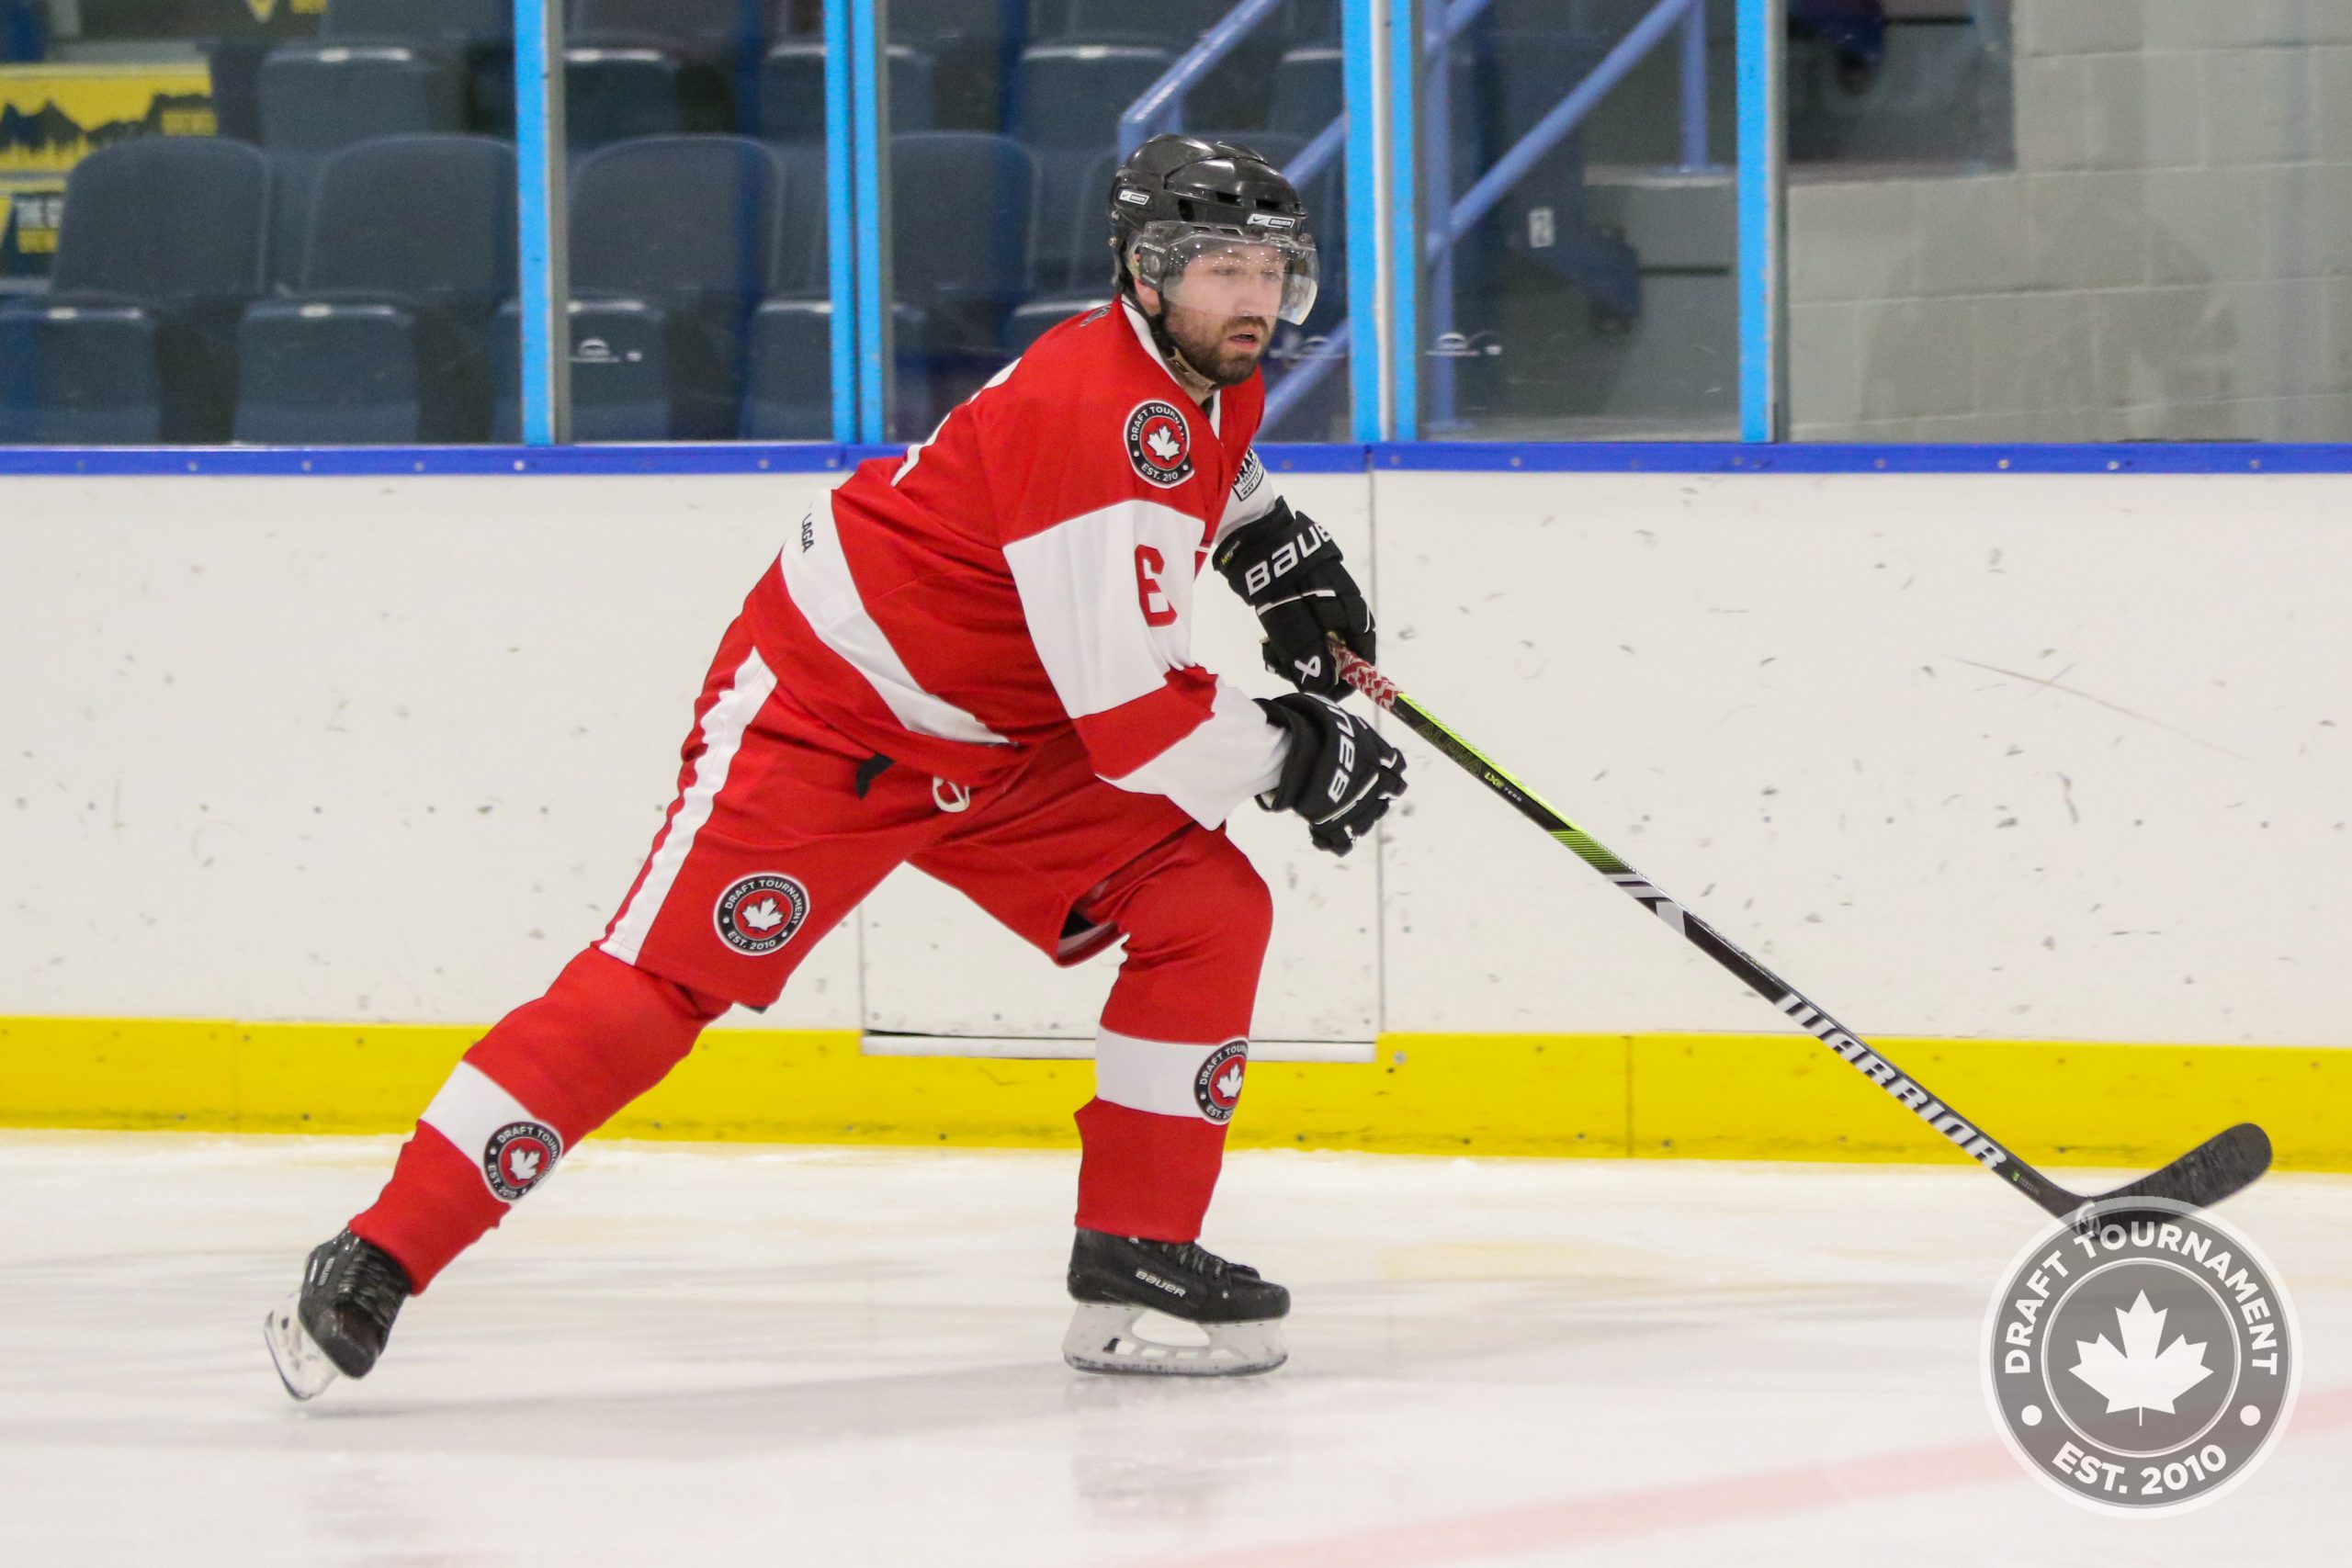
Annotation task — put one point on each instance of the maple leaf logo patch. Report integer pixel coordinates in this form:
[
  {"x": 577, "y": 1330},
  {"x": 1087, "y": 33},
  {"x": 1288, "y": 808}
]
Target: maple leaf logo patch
[
  {"x": 518, "y": 1156},
  {"x": 1217, "y": 1087},
  {"x": 2138, "y": 1377},
  {"x": 1160, "y": 443},
  {"x": 758, "y": 914}
]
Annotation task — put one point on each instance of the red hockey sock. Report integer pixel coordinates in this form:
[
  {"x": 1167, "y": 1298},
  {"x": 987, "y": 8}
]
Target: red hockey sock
[
  {"x": 551, "y": 1072},
  {"x": 1170, "y": 1058}
]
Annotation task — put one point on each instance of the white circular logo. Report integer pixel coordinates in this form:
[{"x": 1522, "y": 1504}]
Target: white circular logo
[
  {"x": 759, "y": 914},
  {"x": 2142, "y": 1358}
]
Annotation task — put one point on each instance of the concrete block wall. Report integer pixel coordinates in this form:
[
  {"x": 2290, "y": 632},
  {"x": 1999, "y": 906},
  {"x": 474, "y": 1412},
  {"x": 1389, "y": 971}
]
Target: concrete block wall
[{"x": 2171, "y": 256}]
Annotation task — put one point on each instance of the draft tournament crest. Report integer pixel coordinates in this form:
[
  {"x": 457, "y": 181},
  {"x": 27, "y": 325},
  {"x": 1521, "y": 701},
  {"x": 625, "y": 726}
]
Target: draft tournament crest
[
  {"x": 2142, "y": 1358},
  {"x": 759, "y": 914},
  {"x": 1160, "y": 443}
]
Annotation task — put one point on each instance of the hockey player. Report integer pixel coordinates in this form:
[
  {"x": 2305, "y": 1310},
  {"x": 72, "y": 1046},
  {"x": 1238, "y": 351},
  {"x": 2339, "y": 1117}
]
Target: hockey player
[{"x": 976, "y": 660}]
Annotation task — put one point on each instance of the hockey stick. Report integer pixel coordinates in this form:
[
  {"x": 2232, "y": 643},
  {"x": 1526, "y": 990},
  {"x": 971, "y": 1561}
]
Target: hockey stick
[{"x": 2203, "y": 1176}]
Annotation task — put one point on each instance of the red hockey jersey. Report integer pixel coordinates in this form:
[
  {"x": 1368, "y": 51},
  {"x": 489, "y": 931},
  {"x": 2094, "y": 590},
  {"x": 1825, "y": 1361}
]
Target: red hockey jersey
[{"x": 1029, "y": 569}]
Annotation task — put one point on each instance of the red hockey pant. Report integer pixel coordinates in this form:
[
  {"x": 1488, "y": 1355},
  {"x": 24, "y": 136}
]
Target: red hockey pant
[{"x": 770, "y": 842}]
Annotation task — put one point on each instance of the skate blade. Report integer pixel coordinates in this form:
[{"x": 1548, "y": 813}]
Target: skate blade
[
  {"x": 1104, "y": 1337},
  {"x": 302, "y": 1366}
]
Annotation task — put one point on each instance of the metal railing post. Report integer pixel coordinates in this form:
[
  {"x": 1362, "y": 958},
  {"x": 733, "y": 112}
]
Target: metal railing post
[
  {"x": 1694, "y": 87},
  {"x": 541, "y": 252},
  {"x": 870, "y": 149},
  {"x": 841, "y": 220},
  {"x": 1761, "y": 188}
]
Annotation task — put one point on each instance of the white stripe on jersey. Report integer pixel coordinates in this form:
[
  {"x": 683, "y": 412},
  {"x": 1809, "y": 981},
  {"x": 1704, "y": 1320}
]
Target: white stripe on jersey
[
  {"x": 817, "y": 578},
  {"x": 1232, "y": 755},
  {"x": 1086, "y": 587},
  {"x": 722, "y": 734},
  {"x": 1150, "y": 1074}
]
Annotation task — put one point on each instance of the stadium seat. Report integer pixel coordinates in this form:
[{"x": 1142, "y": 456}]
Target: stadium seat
[
  {"x": 1169, "y": 24},
  {"x": 479, "y": 35},
  {"x": 160, "y": 249},
  {"x": 320, "y": 96},
  {"x": 410, "y": 248},
  {"x": 1068, "y": 99},
  {"x": 317, "y": 100},
  {"x": 792, "y": 91},
  {"x": 973, "y": 45},
  {"x": 616, "y": 93},
  {"x": 636, "y": 58},
  {"x": 1309, "y": 91},
  {"x": 674, "y": 240},
  {"x": 788, "y": 381}
]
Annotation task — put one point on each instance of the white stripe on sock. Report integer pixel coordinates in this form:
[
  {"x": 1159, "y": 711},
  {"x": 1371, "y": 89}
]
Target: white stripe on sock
[
  {"x": 1150, "y": 1074},
  {"x": 470, "y": 1109}
]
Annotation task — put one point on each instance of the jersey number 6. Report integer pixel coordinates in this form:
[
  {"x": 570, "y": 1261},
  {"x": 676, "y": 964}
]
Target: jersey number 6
[{"x": 1149, "y": 564}]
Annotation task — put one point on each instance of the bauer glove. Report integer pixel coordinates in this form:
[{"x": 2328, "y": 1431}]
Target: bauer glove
[
  {"x": 1337, "y": 774},
  {"x": 1291, "y": 573}
]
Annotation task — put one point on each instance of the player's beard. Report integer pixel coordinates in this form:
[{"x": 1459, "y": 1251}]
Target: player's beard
[{"x": 1207, "y": 344}]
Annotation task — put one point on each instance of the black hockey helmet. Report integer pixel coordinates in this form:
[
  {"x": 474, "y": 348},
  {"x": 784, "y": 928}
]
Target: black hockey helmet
[{"x": 1175, "y": 189}]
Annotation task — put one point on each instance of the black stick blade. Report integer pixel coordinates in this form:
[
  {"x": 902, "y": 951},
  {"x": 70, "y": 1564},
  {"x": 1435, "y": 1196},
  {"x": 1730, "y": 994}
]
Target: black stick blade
[{"x": 2222, "y": 1165}]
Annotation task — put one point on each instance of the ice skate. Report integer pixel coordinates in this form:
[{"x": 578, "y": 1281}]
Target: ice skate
[
  {"x": 1229, "y": 1321},
  {"x": 336, "y": 1322}
]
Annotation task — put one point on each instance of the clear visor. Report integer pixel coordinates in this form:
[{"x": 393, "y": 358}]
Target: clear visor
[{"x": 1227, "y": 273}]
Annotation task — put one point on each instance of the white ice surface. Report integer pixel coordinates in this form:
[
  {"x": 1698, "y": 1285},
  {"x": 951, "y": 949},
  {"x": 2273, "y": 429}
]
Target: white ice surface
[{"x": 695, "y": 1355}]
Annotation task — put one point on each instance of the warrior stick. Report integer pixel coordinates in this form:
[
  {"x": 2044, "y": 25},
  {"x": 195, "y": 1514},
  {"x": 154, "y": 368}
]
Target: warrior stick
[{"x": 2203, "y": 1176}]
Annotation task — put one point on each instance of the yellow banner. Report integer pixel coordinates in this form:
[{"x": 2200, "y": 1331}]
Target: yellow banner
[{"x": 51, "y": 116}]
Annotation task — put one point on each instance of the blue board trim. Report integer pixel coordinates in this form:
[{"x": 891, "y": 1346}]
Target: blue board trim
[
  {"x": 1282, "y": 457},
  {"x": 327, "y": 461},
  {"x": 1788, "y": 458}
]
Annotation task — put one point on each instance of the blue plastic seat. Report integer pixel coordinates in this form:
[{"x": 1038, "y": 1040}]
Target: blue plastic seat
[
  {"x": 707, "y": 29},
  {"x": 644, "y": 67},
  {"x": 476, "y": 35},
  {"x": 317, "y": 100},
  {"x": 674, "y": 240},
  {"x": 1308, "y": 90},
  {"x": 321, "y": 97},
  {"x": 410, "y": 248},
  {"x": 1172, "y": 23},
  {"x": 792, "y": 90},
  {"x": 618, "y": 92},
  {"x": 1068, "y": 99},
  {"x": 135, "y": 341}
]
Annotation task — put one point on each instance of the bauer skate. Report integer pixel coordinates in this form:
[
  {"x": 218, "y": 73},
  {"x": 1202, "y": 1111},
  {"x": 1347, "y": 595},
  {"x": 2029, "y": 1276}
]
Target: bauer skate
[
  {"x": 336, "y": 1322},
  {"x": 1231, "y": 1319}
]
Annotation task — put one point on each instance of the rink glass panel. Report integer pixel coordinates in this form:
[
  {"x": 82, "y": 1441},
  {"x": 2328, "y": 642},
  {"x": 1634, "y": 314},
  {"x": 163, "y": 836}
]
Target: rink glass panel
[
  {"x": 2154, "y": 242},
  {"x": 291, "y": 229},
  {"x": 1574, "y": 196},
  {"x": 1004, "y": 119},
  {"x": 699, "y": 297}
]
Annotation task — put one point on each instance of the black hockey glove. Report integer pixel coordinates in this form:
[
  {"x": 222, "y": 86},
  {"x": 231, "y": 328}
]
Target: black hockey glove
[
  {"x": 1290, "y": 572},
  {"x": 1340, "y": 776}
]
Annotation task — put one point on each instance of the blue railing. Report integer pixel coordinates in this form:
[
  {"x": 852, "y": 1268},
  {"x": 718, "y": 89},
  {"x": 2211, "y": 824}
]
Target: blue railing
[{"x": 1162, "y": 105}]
